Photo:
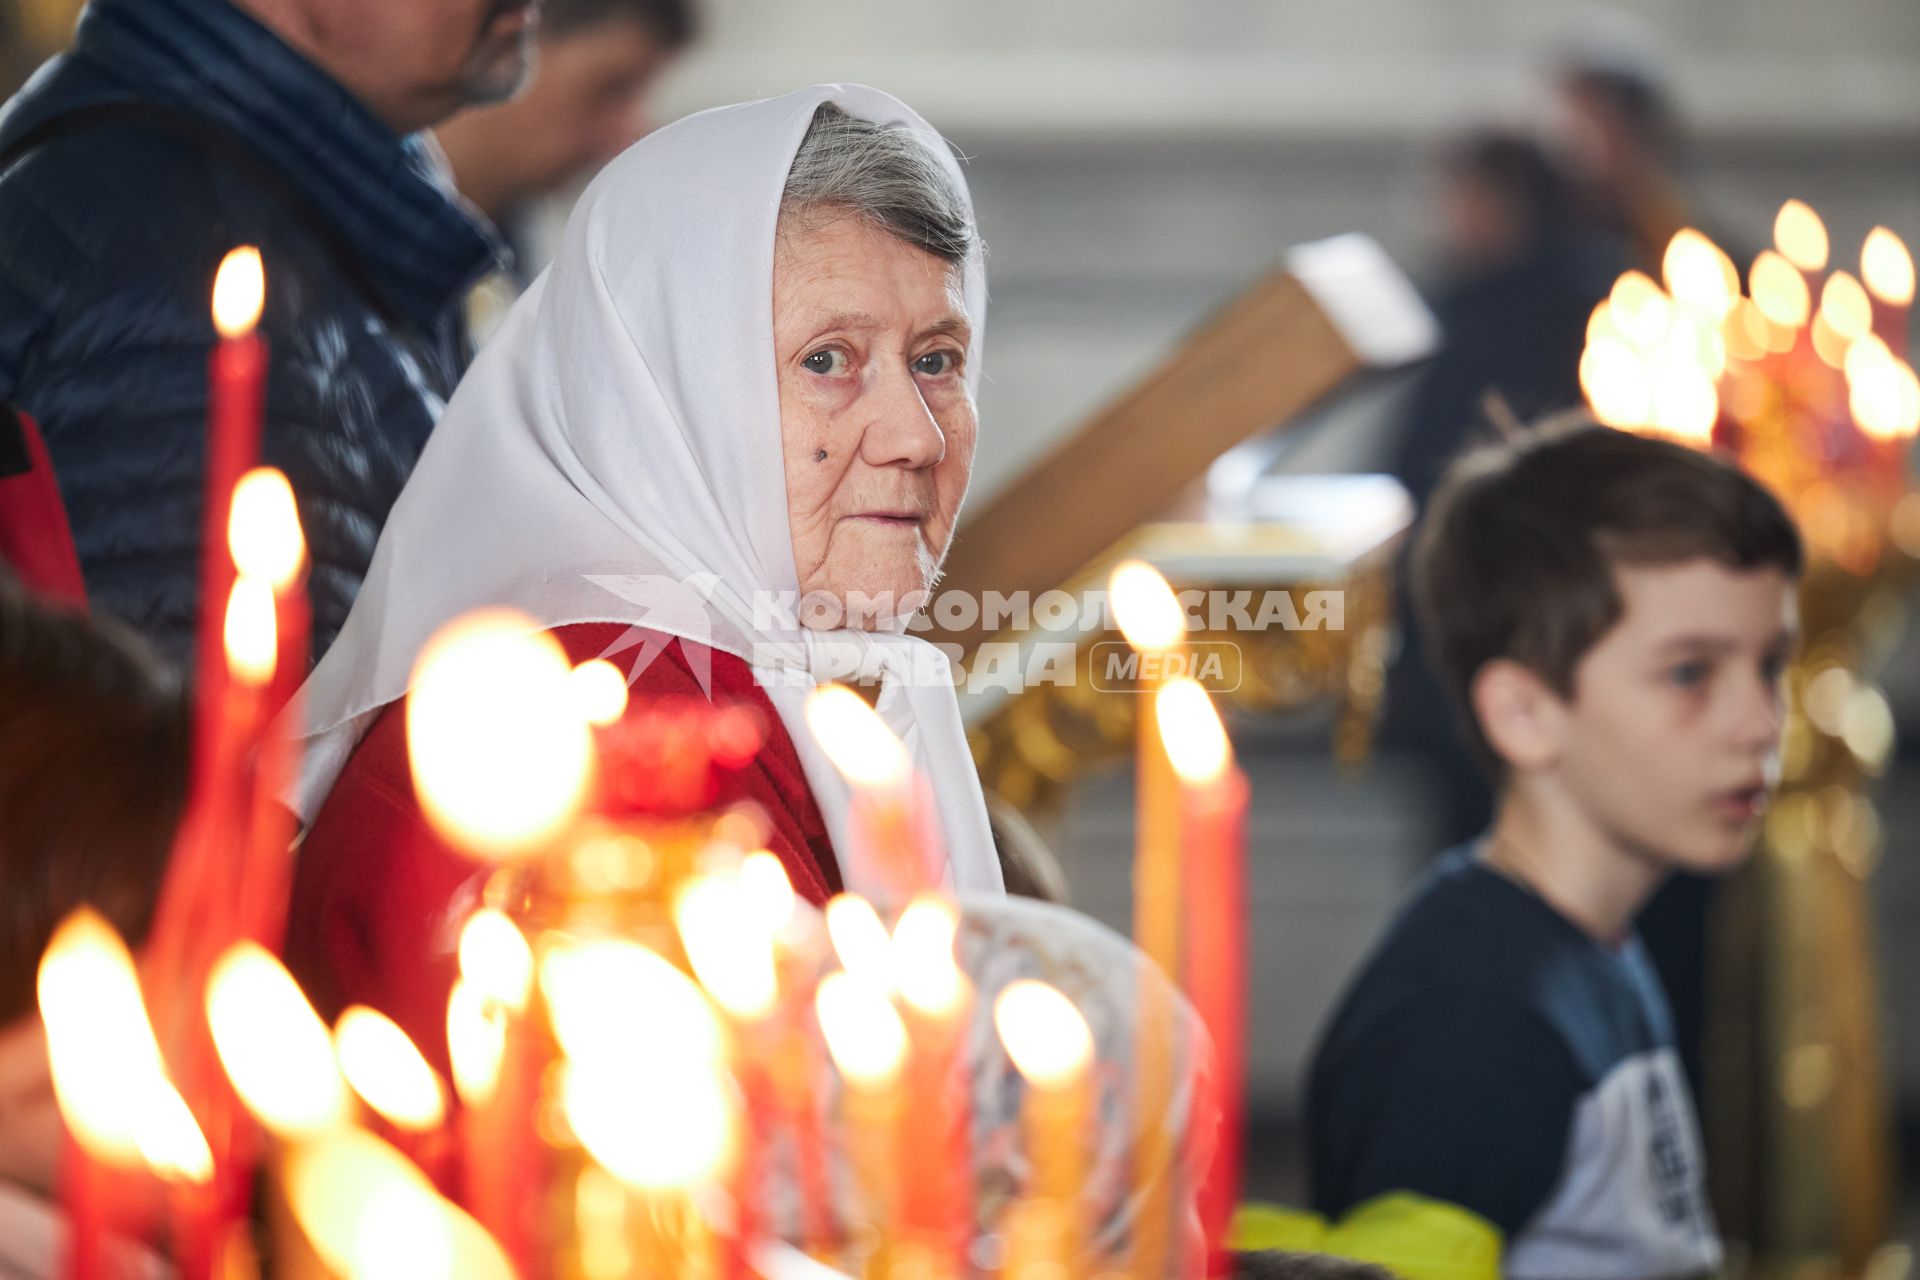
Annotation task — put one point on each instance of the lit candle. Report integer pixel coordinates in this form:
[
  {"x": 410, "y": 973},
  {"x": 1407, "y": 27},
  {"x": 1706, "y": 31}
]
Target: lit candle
[
  {"x": 1149, "y": 616},
  {"x": 1886, "y": 268},
  {"x": 1052, "y": 1048},
  {"x": 489, "y": 1050},
  {"x": 109, "y": 1083},
  {"x": 266, "y": 544},
  {"x": 869, "y": 1046},
  {"x": 1213, "y": 819},
  {"x": 936, "y": 1215},
  {"x": 893, "y": 849},
  {"x": 385, "y": 1069}
]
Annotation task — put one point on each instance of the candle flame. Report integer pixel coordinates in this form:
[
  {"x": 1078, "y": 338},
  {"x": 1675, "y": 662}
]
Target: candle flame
[
  {"x": 1885, "y": 399},
  {"x": 855, "y": 738},
  {"x": 476, "y": 1043},
  {"x": 1887, "y": 267},
  {"x": 1685, "y": 404},
  {"x": 239, "y": 291},
  {"x": 1845, "y": 307},
  {"x": 769, "y": 892},
  {"x": 370, "y": 1213},
  {"x": 500, "y": 755},
  {"x": 495, "y": 959},
  {"x": 387, "y": 1071},
  {"x": 1698, "y": 275},
  {"x": 600, "y": 692},
  {"x": 859, "y": 939},
  {"x": 668, "y": 1131},
  {"x": 275, "y": 1049},
  {"x": 1800, "y": 236},
  {"x": 252, "y": 632},
  {"x": 1047, "y": 1038},
  {"x": 1780, "y": 290},
  {"x": 863, "y": 1031},
  {"x": 1144, "y": 607},
  {"x": 728, "y": 944},
  {"x": 108, "y": 1078},
  {"x": 1640, "y": 312},
  {"x": 1191, "y": 731},
  {"x": 1615, "y": 383},
  {"x": 925, "y": 970},
  {"x": 263, "y": 528},
  {"x": 618, "y": 1002},
  {"x": 1864, "y": 356},
  {"x": 1745, "y": 331}
]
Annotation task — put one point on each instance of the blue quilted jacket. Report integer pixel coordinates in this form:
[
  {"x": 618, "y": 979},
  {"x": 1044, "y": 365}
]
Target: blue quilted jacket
[{"x": 172, "y": 131}]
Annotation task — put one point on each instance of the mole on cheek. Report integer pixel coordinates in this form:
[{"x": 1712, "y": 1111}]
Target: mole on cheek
[{"x": 819, "y": 455}]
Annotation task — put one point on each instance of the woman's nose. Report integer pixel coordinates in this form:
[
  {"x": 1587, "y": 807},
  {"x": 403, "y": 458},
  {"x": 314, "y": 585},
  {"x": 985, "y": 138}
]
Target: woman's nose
[{"x": 901, "y": 429}]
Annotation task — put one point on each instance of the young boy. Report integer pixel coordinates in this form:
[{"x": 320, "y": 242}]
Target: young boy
[{"x": 1612, "y": 614}]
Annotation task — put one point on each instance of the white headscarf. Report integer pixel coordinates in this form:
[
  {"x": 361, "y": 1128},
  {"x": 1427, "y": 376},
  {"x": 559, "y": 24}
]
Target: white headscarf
[{"x": 614, "y": 456}]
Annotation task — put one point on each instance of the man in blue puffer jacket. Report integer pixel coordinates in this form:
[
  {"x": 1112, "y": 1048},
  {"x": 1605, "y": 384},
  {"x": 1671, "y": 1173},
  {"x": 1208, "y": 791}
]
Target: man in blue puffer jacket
[{"x": 173, "y": 131}]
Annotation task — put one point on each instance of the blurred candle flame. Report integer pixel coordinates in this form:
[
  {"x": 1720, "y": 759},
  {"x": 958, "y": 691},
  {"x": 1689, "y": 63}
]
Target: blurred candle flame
[
  {"x": 500, "y": 755},
  {"x": 1190, "y": 728},
  {"x": 863, "y": 1031},
  {"x": 495, "y": 960},
  {"x": 615, "y": 1001},
  {"x": 769, "y": 892},
  {"x": 1845, "y": 307},
  {"x": 263, "y": 528},
  {"x": 855, "y": 738},
  {"x": 1887, "y": 268},
  {"x": 1145, "y": 607},
  {"x": 1800, "y": 236},
  {"x": 1045, "y": 1035},
  {"x": 252, "y": 632},
  {"x": 1780, "y": 290},
  {"x": 239, "y": 291},
  {"x": 923, "y": 962},
  {"x": 387, "y": 1071},
  {"x": 859, "y": 939},
  {"x": 368, "y": 1212},
  {"x": 108, "y": 1077},
  {"x": 1699, "y": 275},
  {"x": 275, "y": 1049},
  {"x": 727, "y": 943},
  {"x": 600, "y": 692},
  {"x": 476, "y": 1043}
]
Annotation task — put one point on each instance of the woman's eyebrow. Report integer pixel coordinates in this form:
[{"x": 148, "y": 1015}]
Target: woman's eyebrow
[{"x": 866, "y": 322}]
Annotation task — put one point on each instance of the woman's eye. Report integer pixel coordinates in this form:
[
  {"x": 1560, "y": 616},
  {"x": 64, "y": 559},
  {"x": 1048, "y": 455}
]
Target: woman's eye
[
  {"x": 829, "y": 363},
  {"x": 935, "y": 363},
  {"x": 1687, "y": 675}
]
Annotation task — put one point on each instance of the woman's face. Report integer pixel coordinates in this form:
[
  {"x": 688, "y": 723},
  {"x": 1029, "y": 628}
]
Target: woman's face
[{"x": 877, "y": 427}]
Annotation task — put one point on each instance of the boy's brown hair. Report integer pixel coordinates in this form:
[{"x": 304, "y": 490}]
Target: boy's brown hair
[
  {"x": 93, "y": 776},
  {"x": 1516, "y": 553}
]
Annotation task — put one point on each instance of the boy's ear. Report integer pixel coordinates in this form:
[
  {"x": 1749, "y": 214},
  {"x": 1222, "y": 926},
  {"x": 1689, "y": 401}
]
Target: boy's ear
[{"x": 1520, "y": 716}]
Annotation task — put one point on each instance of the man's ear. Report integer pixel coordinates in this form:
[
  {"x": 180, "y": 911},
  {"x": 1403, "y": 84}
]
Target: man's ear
[{"x": 1520, "y": 716}]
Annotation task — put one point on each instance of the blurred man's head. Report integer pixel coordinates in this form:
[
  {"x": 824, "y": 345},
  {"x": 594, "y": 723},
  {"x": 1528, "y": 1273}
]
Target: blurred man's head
[
  {"x": 583, "y": 105},
  {"x": 1504, "y": 197},
  {"x": 412, "y": 63}
]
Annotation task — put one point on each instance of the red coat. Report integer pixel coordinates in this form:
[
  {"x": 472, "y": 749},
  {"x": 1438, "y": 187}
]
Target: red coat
[{"x": 378, "y": 897}]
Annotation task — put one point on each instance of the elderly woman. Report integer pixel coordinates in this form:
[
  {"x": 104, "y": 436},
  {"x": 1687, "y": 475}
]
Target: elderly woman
[{"x": 746, "y": 381}]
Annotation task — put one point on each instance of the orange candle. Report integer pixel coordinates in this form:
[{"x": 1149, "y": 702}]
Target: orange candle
[
  {"x": 937, "y": 1000},
  {"x": 869, "y": 1047},
  {"x": 893, "y": 838},
  {"x": 1052, "y": 1047},
  {"x": 1149, "y": 616},
  {"x": 1213, "y": 819}
]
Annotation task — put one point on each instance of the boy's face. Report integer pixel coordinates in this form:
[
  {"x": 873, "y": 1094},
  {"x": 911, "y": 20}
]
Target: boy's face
[{"x": 1671, "y": 741}]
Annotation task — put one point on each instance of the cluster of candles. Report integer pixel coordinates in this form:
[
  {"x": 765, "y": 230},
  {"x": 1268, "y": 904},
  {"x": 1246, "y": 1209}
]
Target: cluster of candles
[
  {"x": 1802, "y": 375},
  {"x": 634, "y": 1035}
]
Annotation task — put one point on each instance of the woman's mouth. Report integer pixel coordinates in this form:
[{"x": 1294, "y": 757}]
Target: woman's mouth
[{"x": 1741, "y": 804}]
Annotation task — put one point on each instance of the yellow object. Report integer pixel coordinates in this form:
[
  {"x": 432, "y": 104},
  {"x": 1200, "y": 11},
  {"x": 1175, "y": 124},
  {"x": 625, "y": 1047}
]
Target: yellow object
[{"x": 1410, "y": 1235}]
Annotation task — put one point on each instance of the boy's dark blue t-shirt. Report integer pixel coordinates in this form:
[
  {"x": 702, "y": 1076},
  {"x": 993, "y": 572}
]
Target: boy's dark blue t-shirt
[{"x": 1493, "y": 1056}]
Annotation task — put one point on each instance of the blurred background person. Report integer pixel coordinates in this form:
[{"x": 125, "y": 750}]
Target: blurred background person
[
  {"x": 288, "y": 124},
  {"x": 1519, "y": 276},
  {"x": 584, "y": 103}
]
